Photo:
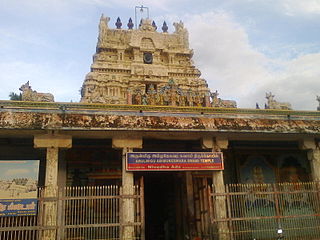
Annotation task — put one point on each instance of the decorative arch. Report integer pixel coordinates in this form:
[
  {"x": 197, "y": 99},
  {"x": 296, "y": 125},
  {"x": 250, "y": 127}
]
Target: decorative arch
[{"x": 147, "y": 43}]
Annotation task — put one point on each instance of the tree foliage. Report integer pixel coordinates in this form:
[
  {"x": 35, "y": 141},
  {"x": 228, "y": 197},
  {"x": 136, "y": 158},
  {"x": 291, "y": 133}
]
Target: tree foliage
[{"x": 15, "y": 97}]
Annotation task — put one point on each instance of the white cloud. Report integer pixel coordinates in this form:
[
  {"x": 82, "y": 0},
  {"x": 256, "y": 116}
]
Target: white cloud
[
  {"x": 297, "y": 7},
  {"x": 288, "y": 7},
  {"x": 11, "y": 36},
  {"x": 223, "y": 53},
  {"x": 40, "y": 15},
  {"x": 151, "y": 4},
  {"x": 225, "y": 57},
  {"x": 238, "y": 71},
  {"x": 63, "y": 6},
  {"x": 298, "y": 83}
]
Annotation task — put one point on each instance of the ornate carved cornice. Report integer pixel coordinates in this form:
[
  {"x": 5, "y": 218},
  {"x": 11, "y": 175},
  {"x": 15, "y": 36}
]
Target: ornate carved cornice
[
  {"x": 237, "y": 112},
  {"x": 122, "y": 118}
]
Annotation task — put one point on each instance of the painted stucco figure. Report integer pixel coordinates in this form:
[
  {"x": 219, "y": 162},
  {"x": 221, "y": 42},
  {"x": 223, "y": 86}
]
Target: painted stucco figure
[
  {"x": 30, "y": 95},
  {"x": 273, "y": 104}
]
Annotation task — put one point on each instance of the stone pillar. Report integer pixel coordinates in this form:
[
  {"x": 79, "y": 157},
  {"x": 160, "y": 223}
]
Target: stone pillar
[
  {"x": 314, "y": 157},
  {"x": 127, "y": 145},
  {"x": 218, "y": 186},
  {"x": 137, "y": 55},
  {"x": 313, "y": 151},
  {"x": 52, "y": 142}
]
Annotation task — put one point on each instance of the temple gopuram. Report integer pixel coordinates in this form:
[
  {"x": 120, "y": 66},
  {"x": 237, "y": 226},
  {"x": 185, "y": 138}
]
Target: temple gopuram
[
  {"x": 151, "y": 153},
  {"x": 145, "y": 67}
]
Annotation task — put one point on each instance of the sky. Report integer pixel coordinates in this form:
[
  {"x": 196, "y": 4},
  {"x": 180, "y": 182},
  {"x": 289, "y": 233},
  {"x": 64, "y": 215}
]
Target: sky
[
  {"x": 243, "y": 48},
  {"x": 12, "y": 169}
]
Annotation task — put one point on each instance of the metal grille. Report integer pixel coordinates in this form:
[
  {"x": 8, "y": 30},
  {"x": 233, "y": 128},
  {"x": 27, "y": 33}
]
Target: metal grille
[
  {"x": 258, "y": 211},
  {"x": 83, "y": 213},
  {"x": 22, "y": 227}
]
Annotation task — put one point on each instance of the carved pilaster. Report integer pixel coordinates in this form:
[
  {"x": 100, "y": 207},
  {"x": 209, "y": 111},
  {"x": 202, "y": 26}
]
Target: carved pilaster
[
  {"x": 313, "y": 154},
  {"x": 127, "y": 145},
  {"x": 314, "y": 157},
  {"x": 129, "y": 96},
  {"x": 219, "y": 187},
  {"x": 218, "y": 145},
  {"x": 128, "y": 203},
  {"x": 52, "y": 142},
  {"x": 51, "y": 179}
]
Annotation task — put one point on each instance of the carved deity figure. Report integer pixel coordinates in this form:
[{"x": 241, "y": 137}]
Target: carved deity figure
[
  {"x": 198, "y": 100},
  {"x": 182, "y": 32},
  {"x": 138, "y": 98},
  {"x": 29, "y": 95},
  {"x": 166, "y": 98},
  {"x": 103, "y": 27},
  {"x": 94, "y": 93},
  {"x": 189, "y": 98},
  {"x": 273, "y": 104},
  {"x": 318, "y": 99},
  {"x": 146, "y": 25},
  {"x": 151, "y": 95},
  {"x": 161, "y": 100},
  {"x": 178, "y": 27},
  {"x": 181, "y": 100},
  {"x": 144, "y": 100},
  {"x": 173, "y": 97}
]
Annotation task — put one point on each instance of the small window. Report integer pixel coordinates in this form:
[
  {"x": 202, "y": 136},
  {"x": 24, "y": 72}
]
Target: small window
[{"x": 147, "y": 57}]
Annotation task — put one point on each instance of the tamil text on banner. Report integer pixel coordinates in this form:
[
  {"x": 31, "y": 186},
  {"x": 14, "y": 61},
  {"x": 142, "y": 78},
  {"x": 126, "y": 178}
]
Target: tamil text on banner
[
  {"x": 174, "y": 161},
  {"x": 18, "y": 187}
]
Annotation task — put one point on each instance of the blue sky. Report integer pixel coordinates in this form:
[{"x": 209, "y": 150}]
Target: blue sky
[
  {"x": 19, "y": 169},
  {"x": 243, "y": 48}
]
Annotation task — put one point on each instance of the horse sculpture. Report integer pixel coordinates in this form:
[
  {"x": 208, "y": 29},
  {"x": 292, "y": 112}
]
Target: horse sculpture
[
  {"x": 273, "y": 104},
  {"x": 29, "y": 95}
]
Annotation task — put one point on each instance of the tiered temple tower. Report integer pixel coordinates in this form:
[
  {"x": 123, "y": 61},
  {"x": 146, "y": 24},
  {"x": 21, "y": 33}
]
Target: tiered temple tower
[{"x": 143, "y": 66}]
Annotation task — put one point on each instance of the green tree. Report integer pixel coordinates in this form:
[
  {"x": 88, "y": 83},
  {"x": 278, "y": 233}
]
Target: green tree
[{"x": 15, "y": 97}]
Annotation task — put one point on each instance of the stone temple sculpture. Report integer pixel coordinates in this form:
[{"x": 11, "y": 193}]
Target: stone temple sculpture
[
  {"x": 218, "y": 102},
  {"x": 169, "y": 95},
  {"x": 273, "y": 104},
  {"x": 30, "y": 95}
]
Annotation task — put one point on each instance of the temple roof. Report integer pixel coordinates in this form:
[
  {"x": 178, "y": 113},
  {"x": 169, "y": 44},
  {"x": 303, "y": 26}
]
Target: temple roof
[{"x": 96, "y": 117}]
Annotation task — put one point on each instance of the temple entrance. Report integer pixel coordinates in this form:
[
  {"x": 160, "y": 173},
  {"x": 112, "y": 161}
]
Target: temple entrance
[{"x": 163, "y": 206}]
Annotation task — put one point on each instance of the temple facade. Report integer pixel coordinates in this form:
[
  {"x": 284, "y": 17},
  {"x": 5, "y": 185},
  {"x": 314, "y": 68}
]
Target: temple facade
[{"x": 150, "y": 152}]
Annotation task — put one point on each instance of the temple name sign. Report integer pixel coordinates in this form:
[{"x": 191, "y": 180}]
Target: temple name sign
[{"x": 174, "y": 161}]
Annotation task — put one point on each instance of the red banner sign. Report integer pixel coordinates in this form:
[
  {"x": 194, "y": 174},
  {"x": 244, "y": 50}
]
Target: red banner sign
[{"x": 174, "y": 161}]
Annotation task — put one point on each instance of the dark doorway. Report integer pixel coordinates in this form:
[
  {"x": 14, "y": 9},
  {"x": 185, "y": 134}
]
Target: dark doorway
[{"x": 163, "y": 208}]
